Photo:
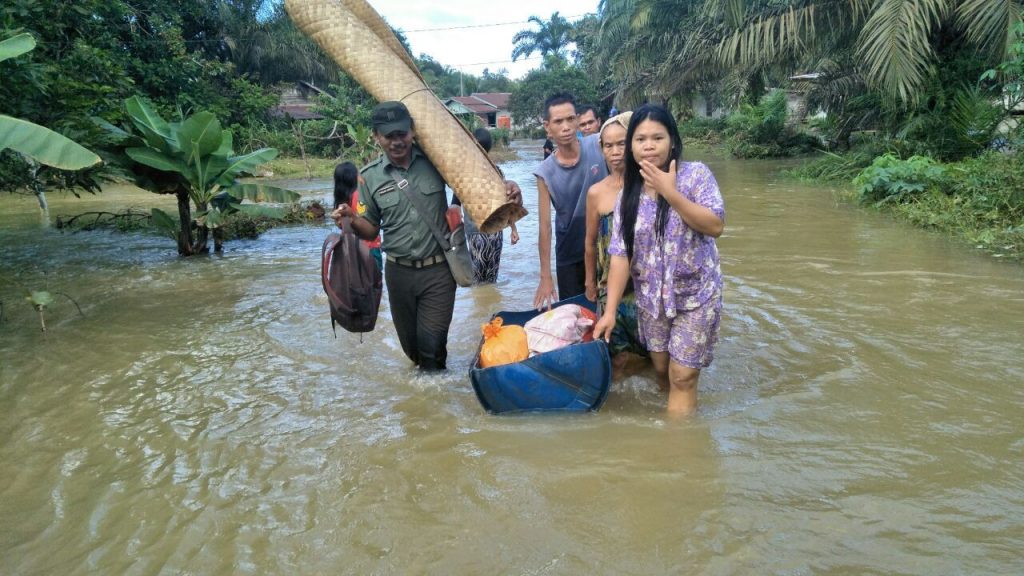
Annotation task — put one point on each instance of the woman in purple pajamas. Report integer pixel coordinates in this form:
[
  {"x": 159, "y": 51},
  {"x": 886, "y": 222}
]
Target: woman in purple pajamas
[{"x": 663, "y": 235}]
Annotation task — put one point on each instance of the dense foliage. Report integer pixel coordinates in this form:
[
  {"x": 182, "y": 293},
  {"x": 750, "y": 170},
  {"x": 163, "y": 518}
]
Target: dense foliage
[
  {"x": 910, "y": 98},
  {"x": 557, "y": 75},
  {"x": 763, "y": 130},
  {"x": 38, "y": 145},
  {"x": 229, "y": 58}
]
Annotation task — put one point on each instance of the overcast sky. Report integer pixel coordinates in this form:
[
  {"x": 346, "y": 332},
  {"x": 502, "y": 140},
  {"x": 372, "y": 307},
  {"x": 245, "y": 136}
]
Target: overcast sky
[{"x": 471, "y": 35}]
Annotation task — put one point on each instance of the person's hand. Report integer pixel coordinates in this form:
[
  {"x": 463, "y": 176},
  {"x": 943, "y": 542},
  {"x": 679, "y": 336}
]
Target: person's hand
[
  {"x": 513, "y": 193},
  {"x": 515, "y": 236},
  {"x": 343, "y": 211},
  {"x": 604, "y": 326},
  {"x": 545, "y": 295},
  {"x": 660, "y": 181},
  {"x": 591, "y": 291}
]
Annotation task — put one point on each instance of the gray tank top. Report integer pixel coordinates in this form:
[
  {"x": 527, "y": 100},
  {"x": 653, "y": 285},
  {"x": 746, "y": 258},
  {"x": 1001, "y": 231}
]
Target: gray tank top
[{"x": 568, "y": 189}]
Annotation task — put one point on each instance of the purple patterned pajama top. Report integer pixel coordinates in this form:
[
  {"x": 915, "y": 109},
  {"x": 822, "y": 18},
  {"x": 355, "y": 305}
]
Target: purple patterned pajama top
[{"x": 680, "y": 271}]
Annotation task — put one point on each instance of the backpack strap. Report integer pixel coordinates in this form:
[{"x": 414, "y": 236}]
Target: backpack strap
[{"x": 326, "y": 253}]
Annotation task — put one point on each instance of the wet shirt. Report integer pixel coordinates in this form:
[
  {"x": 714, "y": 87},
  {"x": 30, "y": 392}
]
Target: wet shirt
[
  {"x": 405, "y": 232},
  {"x": 568, "y": 187},
  {"x": 679, "y": 271}
]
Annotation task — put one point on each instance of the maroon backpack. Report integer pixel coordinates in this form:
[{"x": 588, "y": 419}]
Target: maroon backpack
[{"x": 351, "y": 280}]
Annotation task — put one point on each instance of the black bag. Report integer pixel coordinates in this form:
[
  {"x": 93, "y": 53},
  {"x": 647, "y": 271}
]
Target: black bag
[{"x": 351, "y": 280}]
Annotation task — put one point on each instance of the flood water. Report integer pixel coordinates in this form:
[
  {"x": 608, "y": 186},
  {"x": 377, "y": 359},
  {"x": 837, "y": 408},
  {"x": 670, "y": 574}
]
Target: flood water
[{"x": 863, "y": 414}]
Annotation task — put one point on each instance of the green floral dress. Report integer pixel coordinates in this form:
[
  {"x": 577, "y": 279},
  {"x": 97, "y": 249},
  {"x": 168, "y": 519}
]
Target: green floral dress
[{"x": 625, "y": 335}]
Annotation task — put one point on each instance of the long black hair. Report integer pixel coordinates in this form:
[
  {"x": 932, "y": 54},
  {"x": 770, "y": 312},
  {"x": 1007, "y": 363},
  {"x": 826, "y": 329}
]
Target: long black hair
[
  {"x": 633, "y": 182},
  {"x": 346, "y": 178}
]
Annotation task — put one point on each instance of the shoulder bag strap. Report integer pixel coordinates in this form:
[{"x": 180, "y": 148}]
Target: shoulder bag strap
[{"x": 412, "y": 193}]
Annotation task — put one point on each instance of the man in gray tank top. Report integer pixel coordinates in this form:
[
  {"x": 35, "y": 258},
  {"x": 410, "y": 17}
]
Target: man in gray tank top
[{"x": 563, "y": 179}]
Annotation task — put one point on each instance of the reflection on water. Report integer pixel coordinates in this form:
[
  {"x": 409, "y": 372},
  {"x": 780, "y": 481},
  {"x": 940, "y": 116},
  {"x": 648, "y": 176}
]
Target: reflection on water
[{"x": 862, "y": 415}]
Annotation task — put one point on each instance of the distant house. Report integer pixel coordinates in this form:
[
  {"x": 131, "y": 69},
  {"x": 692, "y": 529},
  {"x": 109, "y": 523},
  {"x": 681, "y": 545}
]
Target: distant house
[
  {"x": 490, "y": 107},
  {"x": 297, "y": 102}
]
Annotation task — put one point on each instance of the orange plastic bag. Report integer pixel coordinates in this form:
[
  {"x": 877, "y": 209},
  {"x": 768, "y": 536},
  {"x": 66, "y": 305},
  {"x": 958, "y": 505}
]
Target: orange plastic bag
[{"x": 502, "y": 344}]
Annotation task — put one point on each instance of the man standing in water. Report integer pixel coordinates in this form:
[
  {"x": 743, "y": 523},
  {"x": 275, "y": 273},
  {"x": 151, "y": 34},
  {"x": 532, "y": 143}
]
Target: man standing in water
[
  {"x": 562, "y": 182},
  {"x": 421, "y": 289}
]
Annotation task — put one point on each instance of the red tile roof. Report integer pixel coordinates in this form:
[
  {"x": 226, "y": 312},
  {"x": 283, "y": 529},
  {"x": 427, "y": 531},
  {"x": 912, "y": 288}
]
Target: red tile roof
[
  {"x": 496, "y": 99},
  {"x": 484, "y": 102}
]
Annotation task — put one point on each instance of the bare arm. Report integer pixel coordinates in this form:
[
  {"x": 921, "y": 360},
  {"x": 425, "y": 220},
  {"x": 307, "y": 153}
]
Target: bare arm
[
  {"x": 697, "y": 217},
  {"x": 590, "y": 244},
  {"x": 362, "y": 227},
  {"x": 545, "y": 294},
  {"x": 618, "y": 276}
]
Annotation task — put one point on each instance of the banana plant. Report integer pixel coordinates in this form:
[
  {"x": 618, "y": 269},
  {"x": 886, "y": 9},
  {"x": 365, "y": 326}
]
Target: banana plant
[
  {"x": 194, "y": 160},
  {"x": 363, "y": 147},
  {"x": 34, "y": 141}
]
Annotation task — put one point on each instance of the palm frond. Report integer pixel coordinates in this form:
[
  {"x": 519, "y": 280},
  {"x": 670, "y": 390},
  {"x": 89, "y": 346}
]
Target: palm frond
[
  {"x": 988, "y": 23},
  {"x": 895, "y": 44}
]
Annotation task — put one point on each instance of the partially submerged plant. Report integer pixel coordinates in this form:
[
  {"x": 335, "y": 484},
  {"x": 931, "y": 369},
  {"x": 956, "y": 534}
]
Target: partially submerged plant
[
  {"x": 195, "y": 160},
  {"x": 41, "y": 299}
]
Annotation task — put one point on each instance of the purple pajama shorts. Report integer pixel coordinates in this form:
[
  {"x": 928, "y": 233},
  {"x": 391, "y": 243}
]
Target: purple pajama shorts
[{"x": 689, "y": 337}]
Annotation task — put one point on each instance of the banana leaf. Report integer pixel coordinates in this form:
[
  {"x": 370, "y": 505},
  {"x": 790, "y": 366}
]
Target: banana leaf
[{"x": 44, "y": 145}]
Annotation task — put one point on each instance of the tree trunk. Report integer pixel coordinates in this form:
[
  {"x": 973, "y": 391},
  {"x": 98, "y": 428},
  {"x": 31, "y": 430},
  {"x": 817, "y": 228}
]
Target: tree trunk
[
  {"x": 300, "y": 136},
  {"x": 200, "y": 245},
  {"x": 218, "y": 240},
  {"x": 185, "y": 228},
  {"x": 40, "y": 191}
]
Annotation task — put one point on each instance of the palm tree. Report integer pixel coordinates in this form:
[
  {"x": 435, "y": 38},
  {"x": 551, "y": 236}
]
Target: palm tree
[
  {"x": 896, "y": 42},
  {"x": 650, "y": 56},
  {"x": 880, "y": 63},
  {"x": 551, "y": 37},
  {"x": 262, "y": 42}
]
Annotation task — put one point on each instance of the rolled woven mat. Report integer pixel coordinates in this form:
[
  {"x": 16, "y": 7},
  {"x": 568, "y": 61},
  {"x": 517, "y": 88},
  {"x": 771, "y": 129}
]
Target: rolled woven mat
[{"x": 361, "y": 42}]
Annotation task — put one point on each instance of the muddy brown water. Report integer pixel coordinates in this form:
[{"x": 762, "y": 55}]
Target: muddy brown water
[{"x": 863, "y": 415}]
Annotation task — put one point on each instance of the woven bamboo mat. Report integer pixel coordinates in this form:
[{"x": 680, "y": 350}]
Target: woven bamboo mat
[{"x": 361, "y": 42}]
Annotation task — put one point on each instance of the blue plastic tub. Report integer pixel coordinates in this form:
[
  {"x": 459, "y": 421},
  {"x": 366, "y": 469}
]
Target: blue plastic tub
[{"x": 575, "y": 378}]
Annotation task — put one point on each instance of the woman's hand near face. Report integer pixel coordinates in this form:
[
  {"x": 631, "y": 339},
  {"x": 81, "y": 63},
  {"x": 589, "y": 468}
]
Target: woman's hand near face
[{"x": 664, "y": 183}]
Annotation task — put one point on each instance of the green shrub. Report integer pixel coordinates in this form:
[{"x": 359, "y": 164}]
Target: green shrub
[
  {"x": 831, "y": 167},
  {"x": 761, "y": 132},
  {"x": 245, "y": 226},
  {"x": 500, "y": 136},
  {"x": 891, "y": 179},
  {"x": 703, "y": 129},
  {"x": 992, "y": 187}
]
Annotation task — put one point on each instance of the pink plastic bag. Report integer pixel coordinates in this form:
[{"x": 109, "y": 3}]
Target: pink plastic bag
[{"x": 558, "y": 327}]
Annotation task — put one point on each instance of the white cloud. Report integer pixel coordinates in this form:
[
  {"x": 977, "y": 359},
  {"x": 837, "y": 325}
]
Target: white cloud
[{"x": 471, "y": 35}]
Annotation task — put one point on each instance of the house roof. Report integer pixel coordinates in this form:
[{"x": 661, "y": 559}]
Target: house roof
[
  {"x": 496, "y": 99},
  {"x": 476, "y": 105},
  {"x": 296, "y": 102},
  {"x": 295, "y": 111},
  {"x": 457, "y": 108},
  {"x": 484, "y": 102},
  {"x": 309, "y": 86}
]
